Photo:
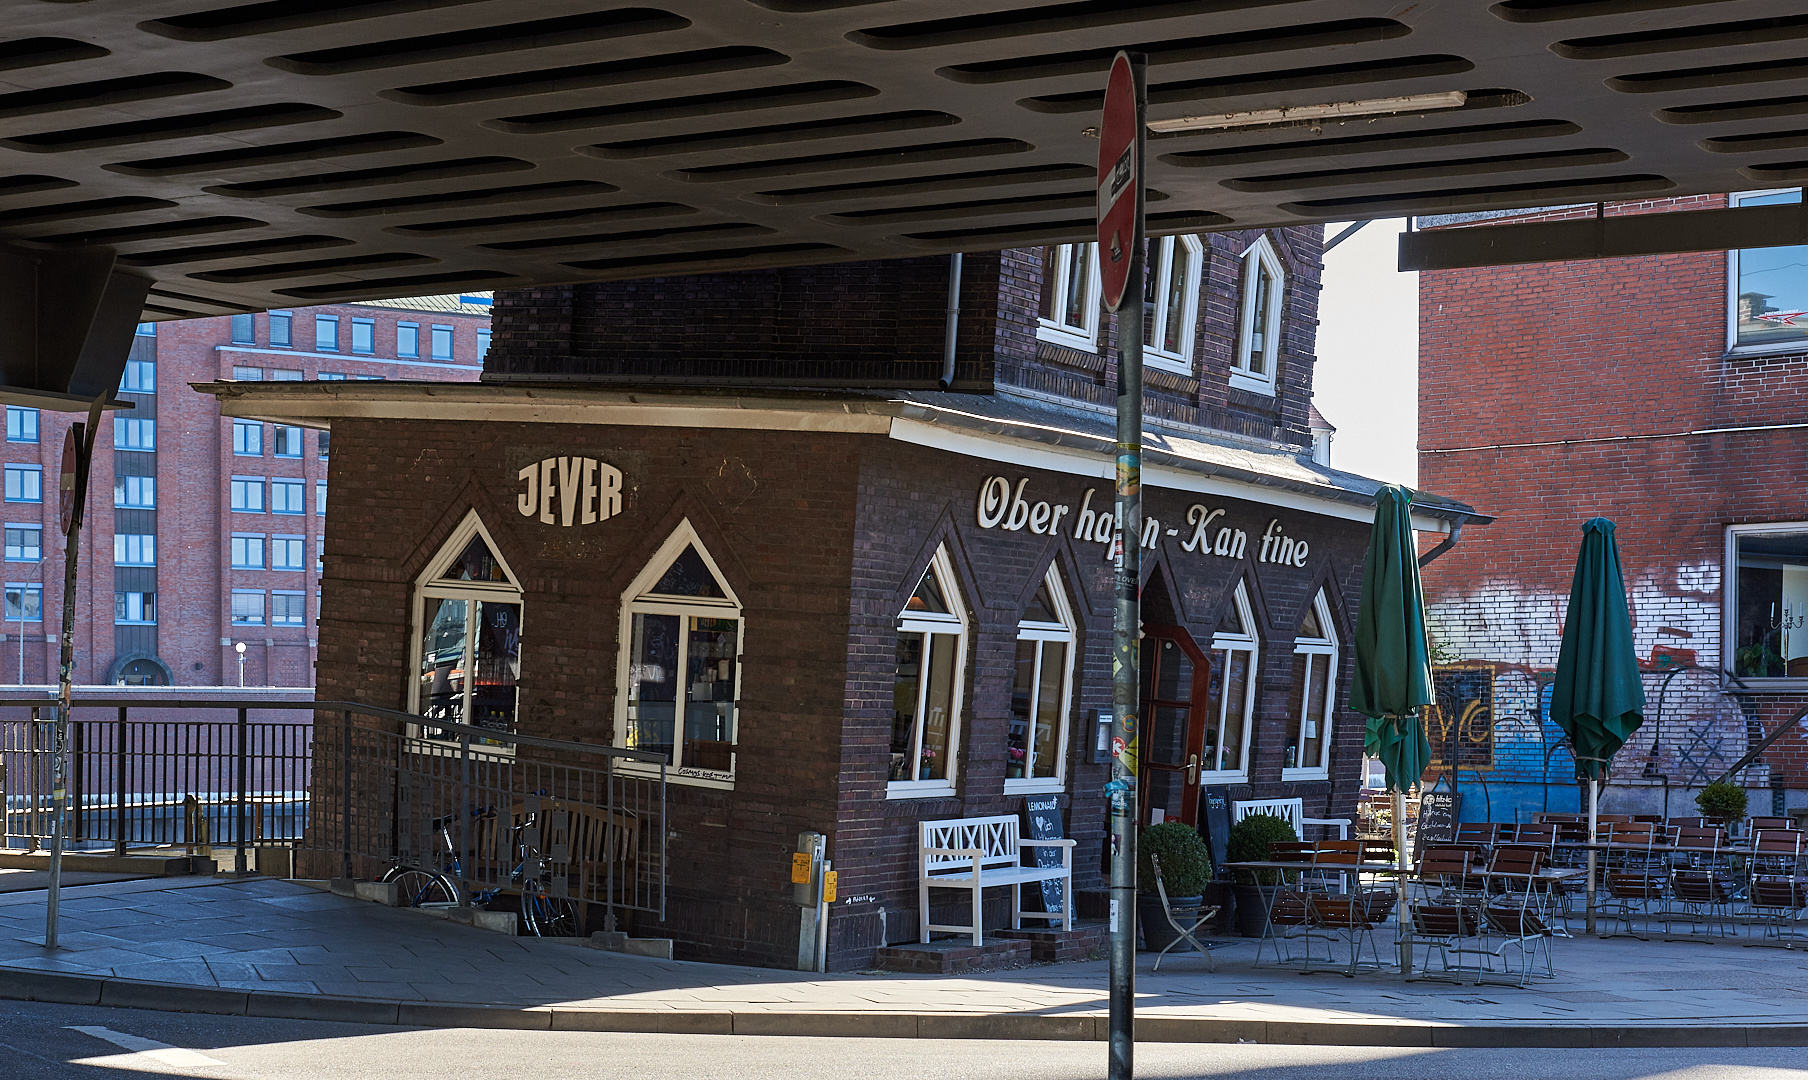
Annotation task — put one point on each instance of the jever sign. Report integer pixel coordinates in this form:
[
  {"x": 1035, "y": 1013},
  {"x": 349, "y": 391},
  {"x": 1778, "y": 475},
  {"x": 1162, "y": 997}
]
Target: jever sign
[
  {"x": 1118, "y": 182},
  {"x": 584, "y": 491}
]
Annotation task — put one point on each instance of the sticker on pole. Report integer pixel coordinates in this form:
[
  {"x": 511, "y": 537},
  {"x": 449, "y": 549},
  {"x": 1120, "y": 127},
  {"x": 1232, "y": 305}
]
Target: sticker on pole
[{"x": 1117, "y": 180}]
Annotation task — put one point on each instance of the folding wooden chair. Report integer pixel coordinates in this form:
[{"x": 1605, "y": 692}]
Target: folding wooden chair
[
  {"x": 1444, "y": 928},
  {"x": 1199, "y": 916},
  {"x": 1701, "y": 897}
]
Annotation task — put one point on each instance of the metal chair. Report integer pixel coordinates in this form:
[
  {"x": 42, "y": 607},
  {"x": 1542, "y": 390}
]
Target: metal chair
[
  {"x": 1629, "y": 889},
  {"x": 1701, "y": 897},
  {"x": 1350, "y": 916},
  {"x": 1520, "y": 925},
  {"x": 1199, "y": 915},
  {"x": 1444, "y": 927},
  {"x": 1777, "y": 904}
]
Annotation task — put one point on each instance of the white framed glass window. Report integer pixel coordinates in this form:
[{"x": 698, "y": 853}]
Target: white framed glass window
[
  {"x": 21, "y": 424},
  {"x": 1069, "y": 310},
  {"x": 130, "y": 434},
  {"x": 1259, "y": 325},
  {"x": 287, "y": 608},
  {"x": 364, "y": 335},
  {"x": 1171, "y": 302},
  {"x": 467, "y": 635},
  {"x": 247, "y": 607},
  {"x": 24, "y": 483},
  {"x": 286, "y": 497},
  {"x": 24, "y": 602},
  {"x": 134, "y": 549},
  {"x": 135, "y": 492},
  {"x": 135, "y": 607},
  {"x": 248, "y": 494},
  {"x": 326, "y": 333},
  {"x": 1307, "y": 755},
  {"x": 1767, "y": 288},
  {"x": 24, "y": 543},
  {"x": 320, "y": 497},
  {"x": 140, "y": 377},
  {"x": 247, "y": 438},
  {"x": 1766, "y": 597},
  {"x": 288, "y": 440},
  {"x": 1041, "y": 692},
  {"x": 247, "y": 551},
  {"x": 442, "y": 343},
  {"x": 282, "y": 329},
  {"x": 1231, "y": 698},
  {"x": 287, "y": 552},
  {"x": 680, "y": 662},
  {"x": 408, "y": 339},
  {"x": 927, "y": 687}
]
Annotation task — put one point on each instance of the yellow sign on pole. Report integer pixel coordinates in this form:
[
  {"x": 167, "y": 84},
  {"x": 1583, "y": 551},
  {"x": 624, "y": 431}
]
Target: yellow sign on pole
[
  {"x": 828, "y": 886},
  {"x": 800, "y": 868}
]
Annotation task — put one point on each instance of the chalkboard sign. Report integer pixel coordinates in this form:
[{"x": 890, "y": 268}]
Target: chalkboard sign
[
  {"x": 1437, "y": 818},
  {"x": 1043, "y": 815},
  {"x": 1214, "y": 825}
]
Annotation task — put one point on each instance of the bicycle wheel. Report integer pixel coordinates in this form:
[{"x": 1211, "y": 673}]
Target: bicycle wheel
[
  {"x": 422, "y": 888},
  {"x": 549, "y": 916}
]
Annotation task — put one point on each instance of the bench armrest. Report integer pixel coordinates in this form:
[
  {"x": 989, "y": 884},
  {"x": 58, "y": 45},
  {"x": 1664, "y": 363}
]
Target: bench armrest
[{"x": 952, "y": 853}]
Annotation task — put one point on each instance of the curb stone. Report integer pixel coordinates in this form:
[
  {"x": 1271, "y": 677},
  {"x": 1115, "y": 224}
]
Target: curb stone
[{"x": 27, "y": 985}]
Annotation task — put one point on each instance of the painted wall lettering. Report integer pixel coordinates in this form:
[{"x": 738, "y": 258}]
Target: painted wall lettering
[{"x": 569, "y": 491}]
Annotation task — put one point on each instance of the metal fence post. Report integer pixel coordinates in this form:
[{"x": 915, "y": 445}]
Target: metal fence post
[
  {"x": 119, "y": 785},
  {"x": 345, "y": 789},
  {"x": 239, "y": 865},
  {"x": 467, "y": 847}
]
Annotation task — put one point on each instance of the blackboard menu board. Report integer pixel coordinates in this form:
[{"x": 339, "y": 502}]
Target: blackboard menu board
[
  {"x": 1042, "y": 813},
  {"x": 1437, "y": 819},
  {"x": 1214, "y": 825}
]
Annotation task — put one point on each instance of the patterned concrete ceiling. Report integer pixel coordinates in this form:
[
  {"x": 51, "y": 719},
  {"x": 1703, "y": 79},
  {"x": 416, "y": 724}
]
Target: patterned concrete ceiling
[{"x": 281, "y": 153}]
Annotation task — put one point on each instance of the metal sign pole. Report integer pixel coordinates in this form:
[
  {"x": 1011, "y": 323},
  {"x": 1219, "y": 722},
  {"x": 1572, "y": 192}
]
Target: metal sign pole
[
  {"x": 78, "y": 450},
  {"x": 1121, "y": 261}
]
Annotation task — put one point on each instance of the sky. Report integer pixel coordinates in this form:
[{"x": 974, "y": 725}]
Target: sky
[{"x": 1367, "y": 379}]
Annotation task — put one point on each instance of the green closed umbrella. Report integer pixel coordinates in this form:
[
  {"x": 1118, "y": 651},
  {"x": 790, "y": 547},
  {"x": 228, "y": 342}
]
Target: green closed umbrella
[
  {"x": 1597, "y": 699},
  {"x": 1393, "y": 669}
]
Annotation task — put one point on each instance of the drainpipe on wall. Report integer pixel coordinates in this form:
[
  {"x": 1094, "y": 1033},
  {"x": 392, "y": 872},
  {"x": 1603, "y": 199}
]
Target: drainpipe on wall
[
  {"x": 1456, "y": 533},
  {"x": 954, "y": 272}
]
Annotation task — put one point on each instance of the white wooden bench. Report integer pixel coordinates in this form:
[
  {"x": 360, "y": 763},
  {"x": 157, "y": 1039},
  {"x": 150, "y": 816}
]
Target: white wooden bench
[{"x": 978, "y": 853}]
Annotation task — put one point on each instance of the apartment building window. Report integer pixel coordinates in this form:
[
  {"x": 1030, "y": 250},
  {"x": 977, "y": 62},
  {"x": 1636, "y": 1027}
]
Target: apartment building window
[
  {"x": 24, "y": 483},
  {"x": 147, "y": 329},
  {"x": 247, "y": 607},
  {"x": 926, "y": 693},
  {"x": 408, "y": 339},
  {"x": 1041, "y": 689},
  {"x": 135, "y": 607},
  {"x": 326, "y": 437},
  {"x": 248, "y": 494},
  {"x": 247, "y": 374},
  {"x": 288, "y": 441},
  {"x": 134, "y": 549},
  {"x": 1171, "y": 302},
  {"x": 247, "y": 551},
  {"x": 287, "y": 552},
  {"x": 286, "y": 497},
  {"x": 320, "y": 555},
  {"x": 24, "y": 543},
  {"x": 21, "y": 424},
  {"x": 1769, "y": 286},
  {"x": 330, "y": 376},
  {"x": 285, "y": 375},
  {"x": 1308, "y": 752},
  {"x": 140, "y": 377},
  {"x": 1069, "y": 307},
  {"x": 281, "y": 329},
  {"x": 364, "y": 335},
  {"x": 247, "y": 438},
  {"x": 326, "y": 333},
  {"x": 135, "y": 492},
  {"x": 244, "y": 330},
  {"x": 442, "y": 343},
  {"x": 130, "y": 434},
  {"x": 1259, "y": 328},
  {"x": 320, "y": 497},
  {"x": 287, "y": 608},
  {"x": 24, "y": 602},
  {"x": 483, "y": 342}
]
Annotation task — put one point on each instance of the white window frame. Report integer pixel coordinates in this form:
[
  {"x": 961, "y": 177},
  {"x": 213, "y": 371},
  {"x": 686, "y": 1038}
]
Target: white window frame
[
  {"x": 1309, "y": 646},
  {"x": 1061, "y": 632},
  {"x": 1084, "y": 336},
  {"x": 428, "y": 586},
  {"x": 957, "y": 624},
  {"x": 1259, "y": 254},
  {"x": 1729, "y": 593},
  {"x": 1163, "y": 250},
  {"x": 1732, "y": 289},
  {"x": 1251, "y": 643},
  {"x": 638, "y": 600}
]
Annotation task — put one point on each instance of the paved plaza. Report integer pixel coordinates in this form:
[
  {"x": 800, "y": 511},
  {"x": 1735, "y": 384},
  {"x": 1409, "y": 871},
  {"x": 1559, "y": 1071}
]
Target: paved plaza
[{"x": 266, "y": 946}]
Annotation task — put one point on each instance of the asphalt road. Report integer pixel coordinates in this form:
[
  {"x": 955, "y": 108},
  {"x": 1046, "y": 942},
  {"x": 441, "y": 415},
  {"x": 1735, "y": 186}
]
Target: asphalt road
[{"x": 54, "y": 1042}]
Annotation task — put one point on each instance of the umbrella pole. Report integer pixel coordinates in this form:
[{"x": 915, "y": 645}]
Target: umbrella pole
[
  {"x": 1400, "y": 883},
  {"x": 1594, "y": 791}
]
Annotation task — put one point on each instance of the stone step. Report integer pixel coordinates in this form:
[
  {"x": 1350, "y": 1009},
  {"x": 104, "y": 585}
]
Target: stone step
[
  {"x": 1084, "y": 942},
  {"x": 953, "y": 955},
  {"x": 154, "y": 864}
]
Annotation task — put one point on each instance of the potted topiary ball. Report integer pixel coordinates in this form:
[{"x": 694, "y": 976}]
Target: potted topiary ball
[
  {"x": 1722, "y": 802},
  {"x": 1186, "y": 869},
  {"x": 1248, "y": 842}
]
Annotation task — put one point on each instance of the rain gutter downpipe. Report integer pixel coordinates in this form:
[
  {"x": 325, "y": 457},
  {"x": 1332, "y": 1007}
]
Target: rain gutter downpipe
[
  {"x": 1456, "y": 533},
  {"x": 954, "y": 272}
]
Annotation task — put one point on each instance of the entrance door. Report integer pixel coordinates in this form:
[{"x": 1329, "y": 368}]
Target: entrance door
[{"x": 1175, "y": 678}]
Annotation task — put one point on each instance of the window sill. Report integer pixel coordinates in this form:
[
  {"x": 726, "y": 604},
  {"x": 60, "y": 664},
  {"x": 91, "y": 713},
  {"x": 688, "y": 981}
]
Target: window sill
[
  {"x": 1041, "y": 785},
  {"x": 919, "y": 789},
  {"x": 1238, "y": 777},
  {"x": 1173, "y": 365},
  {"x": 1067, "y": 338},
  {"x": 1305, "y": 774},
  {"x": 1241, "y": 381},
  {"x": 1773, "y": 685},
  {"x": 691, "y": 777}
]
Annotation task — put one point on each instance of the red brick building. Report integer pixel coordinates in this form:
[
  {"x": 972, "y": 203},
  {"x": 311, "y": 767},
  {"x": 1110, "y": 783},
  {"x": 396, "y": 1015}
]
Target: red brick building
[
  {"x": 902, "y": 591},
  {"x": 204, "y": 532},
  {"x": 1666, "y": 393}
]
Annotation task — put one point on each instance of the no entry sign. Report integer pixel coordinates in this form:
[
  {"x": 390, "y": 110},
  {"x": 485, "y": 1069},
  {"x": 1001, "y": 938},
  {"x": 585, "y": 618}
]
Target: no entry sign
[{"x": 1120, "y": 135}]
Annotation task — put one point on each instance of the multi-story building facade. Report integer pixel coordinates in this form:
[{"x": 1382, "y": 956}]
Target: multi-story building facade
[
  {"x": 1665, "y": 393},
  {"x": 204, "y": 533}
]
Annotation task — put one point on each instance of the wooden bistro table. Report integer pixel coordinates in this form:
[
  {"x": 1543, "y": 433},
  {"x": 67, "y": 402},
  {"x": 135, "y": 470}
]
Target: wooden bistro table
[{"x": 1305, "y": 866}]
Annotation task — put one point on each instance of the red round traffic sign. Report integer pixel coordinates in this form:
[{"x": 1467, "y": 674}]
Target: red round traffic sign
[
  {"x": 70, "y": 480},
  {"x": 1118, "y": 182}
]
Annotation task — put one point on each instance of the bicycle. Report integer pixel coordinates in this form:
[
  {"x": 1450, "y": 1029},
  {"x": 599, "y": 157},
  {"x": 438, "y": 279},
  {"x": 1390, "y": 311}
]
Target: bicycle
[{"x": 542, "y": 914}]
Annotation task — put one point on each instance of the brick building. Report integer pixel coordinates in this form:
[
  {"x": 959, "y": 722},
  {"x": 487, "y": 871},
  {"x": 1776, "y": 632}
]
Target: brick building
[
  {"x": 204, "y": 532},
  {"x": 902, "y": 592},
  {"x": 1667, "y": 394}
]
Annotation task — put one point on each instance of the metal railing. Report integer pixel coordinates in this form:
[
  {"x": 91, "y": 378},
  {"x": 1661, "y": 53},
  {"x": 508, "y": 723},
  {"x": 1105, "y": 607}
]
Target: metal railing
[{"x": 354, "y": 789}]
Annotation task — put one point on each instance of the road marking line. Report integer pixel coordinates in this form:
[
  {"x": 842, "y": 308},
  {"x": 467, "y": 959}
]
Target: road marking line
[{"x": 150, "y": 1048}]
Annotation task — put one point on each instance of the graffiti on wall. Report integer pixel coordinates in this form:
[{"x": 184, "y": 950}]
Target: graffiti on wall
[{"x": 1461, "y": 724}]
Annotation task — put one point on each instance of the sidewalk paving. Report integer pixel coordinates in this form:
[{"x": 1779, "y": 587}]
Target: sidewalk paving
[{"x": 270, "y": 947}]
